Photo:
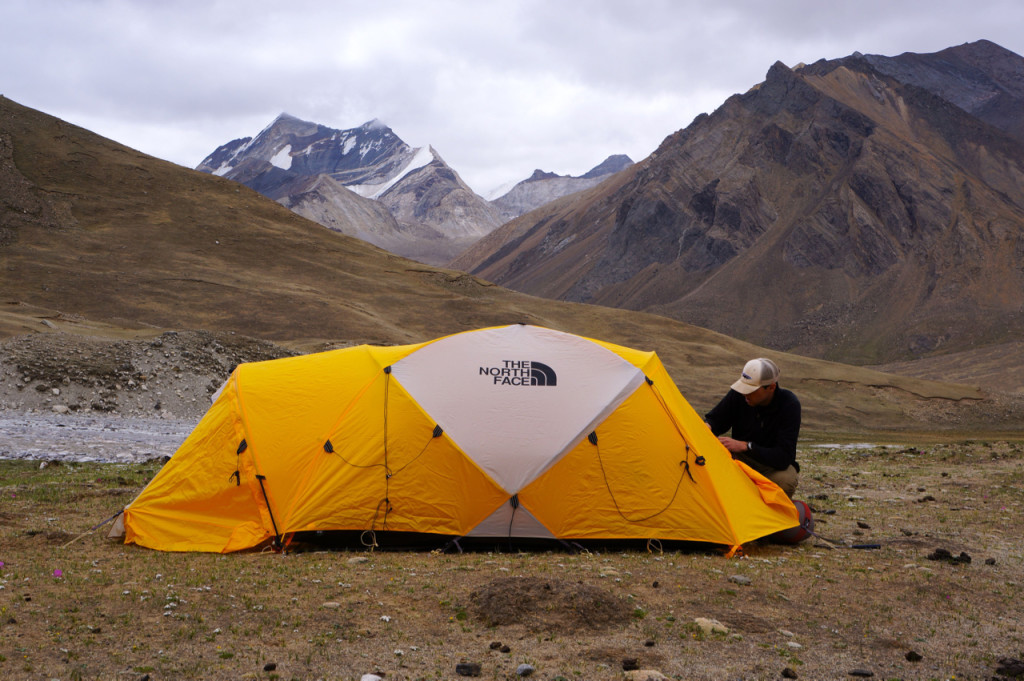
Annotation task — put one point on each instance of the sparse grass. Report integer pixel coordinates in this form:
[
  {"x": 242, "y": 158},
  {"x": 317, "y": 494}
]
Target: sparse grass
[{"x": 117, "y": 610}]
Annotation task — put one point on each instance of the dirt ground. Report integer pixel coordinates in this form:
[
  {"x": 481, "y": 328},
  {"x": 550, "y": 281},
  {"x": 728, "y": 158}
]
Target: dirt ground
[
  {"x": 933, "y": 592},
  {"x": 939, "y": 598}
]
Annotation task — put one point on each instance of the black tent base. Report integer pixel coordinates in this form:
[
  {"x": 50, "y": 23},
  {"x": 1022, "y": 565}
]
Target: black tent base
[{"x": 386, "y": 540}]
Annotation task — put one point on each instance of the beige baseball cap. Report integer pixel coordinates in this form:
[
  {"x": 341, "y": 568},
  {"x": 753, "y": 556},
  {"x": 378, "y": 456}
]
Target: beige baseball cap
[{"x": 756, "y": 373}]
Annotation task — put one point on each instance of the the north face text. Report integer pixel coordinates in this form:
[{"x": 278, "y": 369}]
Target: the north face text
[{"x": 520, "y": 373}]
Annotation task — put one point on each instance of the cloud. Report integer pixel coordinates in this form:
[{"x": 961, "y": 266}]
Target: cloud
[{"x": 498, "y": 88}]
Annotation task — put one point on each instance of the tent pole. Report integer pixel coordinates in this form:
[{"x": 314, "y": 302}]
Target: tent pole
[{"x": 277, "y": 535}]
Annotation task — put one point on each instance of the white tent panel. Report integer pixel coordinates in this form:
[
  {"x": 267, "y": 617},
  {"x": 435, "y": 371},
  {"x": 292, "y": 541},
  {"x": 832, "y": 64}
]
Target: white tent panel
[{"x": 517, "y": 397}]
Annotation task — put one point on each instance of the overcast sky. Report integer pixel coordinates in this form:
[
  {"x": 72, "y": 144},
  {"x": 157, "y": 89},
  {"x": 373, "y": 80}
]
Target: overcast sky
[{"x": 497, "y": 87}]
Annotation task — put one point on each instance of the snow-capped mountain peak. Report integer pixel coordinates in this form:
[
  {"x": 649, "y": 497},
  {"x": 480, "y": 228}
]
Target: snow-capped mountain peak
[{"x": 437, "y": 214}]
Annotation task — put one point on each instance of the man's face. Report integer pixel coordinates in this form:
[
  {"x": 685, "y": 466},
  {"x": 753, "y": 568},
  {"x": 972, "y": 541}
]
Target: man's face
[{"x": 761, "y": 396}]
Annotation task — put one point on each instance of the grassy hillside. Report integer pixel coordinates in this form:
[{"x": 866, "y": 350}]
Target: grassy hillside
[{"x": 102, "y": 240}]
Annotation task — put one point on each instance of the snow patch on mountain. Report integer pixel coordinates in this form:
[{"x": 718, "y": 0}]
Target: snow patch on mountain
[
  {"x": 228, "y": 153},
  {"x": 283, "y": 158},
  {"x": 423, "y": 157}
]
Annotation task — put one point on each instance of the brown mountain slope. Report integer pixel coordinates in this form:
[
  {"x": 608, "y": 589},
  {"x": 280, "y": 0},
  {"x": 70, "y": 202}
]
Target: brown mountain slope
[
  {"x": 832, "y": 211},
  {"x": 102, "y": 240}
]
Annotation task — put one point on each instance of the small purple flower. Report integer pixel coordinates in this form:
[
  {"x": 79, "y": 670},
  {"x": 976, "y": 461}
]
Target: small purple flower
[{"x": 58, "y": 573}]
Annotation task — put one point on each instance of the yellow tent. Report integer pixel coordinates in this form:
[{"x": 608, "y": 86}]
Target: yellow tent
[{"x": 515, "y": 431}]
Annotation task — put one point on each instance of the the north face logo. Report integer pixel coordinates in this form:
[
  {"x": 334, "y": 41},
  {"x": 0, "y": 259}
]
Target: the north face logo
[{"x": 521, "y": 372}]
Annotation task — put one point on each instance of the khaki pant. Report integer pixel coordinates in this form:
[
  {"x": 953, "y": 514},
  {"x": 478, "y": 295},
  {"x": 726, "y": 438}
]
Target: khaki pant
[{"x": 787, "y": 479}]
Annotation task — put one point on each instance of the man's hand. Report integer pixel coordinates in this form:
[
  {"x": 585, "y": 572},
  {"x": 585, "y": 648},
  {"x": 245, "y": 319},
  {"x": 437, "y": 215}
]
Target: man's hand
[{"x": 734, "y": 446}]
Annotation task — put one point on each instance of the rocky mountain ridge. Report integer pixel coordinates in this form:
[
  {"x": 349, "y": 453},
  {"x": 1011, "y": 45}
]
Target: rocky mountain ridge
[
  {"x": 340, "y": 178},
  {"x": 981, "y": 78},
  {"x": 543, "y": 187},
  {"x": 849, "y": 209}
]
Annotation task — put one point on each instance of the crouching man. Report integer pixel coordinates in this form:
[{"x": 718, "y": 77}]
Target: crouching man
[{"x": 765, "y": 424}]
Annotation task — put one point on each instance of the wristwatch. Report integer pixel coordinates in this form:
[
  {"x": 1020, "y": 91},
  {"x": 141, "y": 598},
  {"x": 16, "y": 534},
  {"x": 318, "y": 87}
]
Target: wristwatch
[{"x": 750, "y": 445}]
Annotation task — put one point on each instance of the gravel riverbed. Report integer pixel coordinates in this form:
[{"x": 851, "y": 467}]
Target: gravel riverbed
[{"x": 110, "y": 439}]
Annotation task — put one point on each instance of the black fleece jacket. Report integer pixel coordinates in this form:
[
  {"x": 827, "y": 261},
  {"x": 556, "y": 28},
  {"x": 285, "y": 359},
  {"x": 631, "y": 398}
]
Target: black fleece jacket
[{"x": 773, "y": 428}]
